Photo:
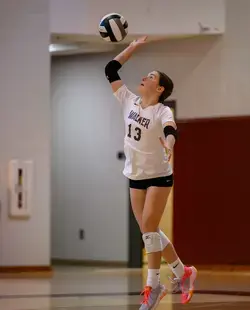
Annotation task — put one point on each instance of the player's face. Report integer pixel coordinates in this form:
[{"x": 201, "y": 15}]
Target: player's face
[{"x": 150, "y": 85}]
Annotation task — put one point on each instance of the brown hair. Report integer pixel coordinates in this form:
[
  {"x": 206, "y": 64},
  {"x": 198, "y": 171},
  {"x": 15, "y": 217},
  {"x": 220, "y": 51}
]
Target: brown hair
[{"x": 168, "y": 85}]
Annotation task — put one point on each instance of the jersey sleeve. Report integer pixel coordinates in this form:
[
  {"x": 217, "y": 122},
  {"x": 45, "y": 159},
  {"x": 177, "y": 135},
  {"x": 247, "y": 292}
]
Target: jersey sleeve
[
  {"x": 166, "y": 116},
  {"x": 124, "y": 95}
]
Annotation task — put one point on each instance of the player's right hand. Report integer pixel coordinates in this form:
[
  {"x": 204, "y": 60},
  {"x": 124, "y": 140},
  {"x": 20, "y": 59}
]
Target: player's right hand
[{"x": 140, "y": 41}]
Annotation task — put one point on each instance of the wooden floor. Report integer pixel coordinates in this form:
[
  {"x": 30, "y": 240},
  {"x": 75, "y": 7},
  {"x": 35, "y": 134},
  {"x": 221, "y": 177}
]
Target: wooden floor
[{"x": 75, "y": 288}]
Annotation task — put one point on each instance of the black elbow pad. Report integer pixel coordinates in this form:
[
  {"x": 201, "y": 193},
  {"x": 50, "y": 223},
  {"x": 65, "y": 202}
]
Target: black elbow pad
[
  {"x": 111, "y": 71},
  {"x": 170, "y": 130}
]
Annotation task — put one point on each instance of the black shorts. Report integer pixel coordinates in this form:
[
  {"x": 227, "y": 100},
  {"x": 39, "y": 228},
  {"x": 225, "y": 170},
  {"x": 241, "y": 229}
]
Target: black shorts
[{"x": 167, "y": 181}]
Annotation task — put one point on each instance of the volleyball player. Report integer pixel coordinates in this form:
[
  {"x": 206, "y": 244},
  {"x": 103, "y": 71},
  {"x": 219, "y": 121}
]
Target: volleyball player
[{"x": 148, "y": 145}]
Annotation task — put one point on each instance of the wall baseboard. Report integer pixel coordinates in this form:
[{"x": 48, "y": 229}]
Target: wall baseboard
[
  {"x": 88, "y": 263},
  {"x": 226, "y": 267},
  {"x": 26, "y": 271}
]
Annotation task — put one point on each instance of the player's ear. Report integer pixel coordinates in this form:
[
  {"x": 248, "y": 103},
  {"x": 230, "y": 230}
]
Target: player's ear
[{"x": 160, "y": 89}]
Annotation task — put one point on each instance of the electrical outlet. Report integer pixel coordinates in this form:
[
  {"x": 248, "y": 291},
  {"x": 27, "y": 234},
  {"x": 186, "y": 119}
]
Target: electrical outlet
[{"x": 81, "y": 234}]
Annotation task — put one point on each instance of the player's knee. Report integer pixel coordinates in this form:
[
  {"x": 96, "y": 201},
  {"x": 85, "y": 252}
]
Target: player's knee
[
  {"x": 164, "y": 239},
  {"x": 152, "y": 242}
]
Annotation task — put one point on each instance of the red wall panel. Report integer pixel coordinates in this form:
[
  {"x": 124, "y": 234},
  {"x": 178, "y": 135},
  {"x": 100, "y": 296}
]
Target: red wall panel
[{"x": 212, "y": 191}]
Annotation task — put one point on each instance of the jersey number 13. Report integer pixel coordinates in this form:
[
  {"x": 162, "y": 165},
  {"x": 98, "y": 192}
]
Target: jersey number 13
[{"x": 137, "y": 137}]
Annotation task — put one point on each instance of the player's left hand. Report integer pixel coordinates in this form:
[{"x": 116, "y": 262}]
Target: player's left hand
[{"x": 167, "y": 149}]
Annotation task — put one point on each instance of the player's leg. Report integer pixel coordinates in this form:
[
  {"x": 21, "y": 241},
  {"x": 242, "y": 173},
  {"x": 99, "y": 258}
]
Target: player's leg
[
  {"x": 184, "y": 276},
  {"x": 156, "y": 199},
  {"x": 154, "y": 206},
  {"x": 170, "y": 256},
  {"x": 138, "y": 197}
]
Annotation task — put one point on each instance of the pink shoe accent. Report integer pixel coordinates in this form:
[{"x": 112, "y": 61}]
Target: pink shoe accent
[{"x": 187, "y": 292}]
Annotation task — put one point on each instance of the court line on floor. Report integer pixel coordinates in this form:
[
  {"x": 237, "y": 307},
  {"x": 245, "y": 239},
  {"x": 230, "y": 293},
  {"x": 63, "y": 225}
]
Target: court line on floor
[{"x": 63, "y": 295}]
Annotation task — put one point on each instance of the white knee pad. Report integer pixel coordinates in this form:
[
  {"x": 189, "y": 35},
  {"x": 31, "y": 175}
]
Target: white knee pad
[
  {"x": 164, "y": 239},
  {"x": 152, "y": 241}
]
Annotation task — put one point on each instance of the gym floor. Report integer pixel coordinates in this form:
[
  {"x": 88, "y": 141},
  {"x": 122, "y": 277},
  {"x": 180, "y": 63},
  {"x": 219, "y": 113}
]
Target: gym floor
[{"x": 75, "y": 288}]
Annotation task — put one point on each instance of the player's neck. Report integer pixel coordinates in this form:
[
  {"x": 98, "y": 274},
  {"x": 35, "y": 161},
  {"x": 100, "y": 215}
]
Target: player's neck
[{"x": 148, "y": 101}]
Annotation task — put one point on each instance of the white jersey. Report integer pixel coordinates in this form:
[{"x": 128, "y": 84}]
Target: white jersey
[{"x": 145, "y": 156}]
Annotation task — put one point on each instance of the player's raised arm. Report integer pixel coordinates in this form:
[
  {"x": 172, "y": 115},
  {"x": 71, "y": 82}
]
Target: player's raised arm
[{"x": 112, "y": 68}]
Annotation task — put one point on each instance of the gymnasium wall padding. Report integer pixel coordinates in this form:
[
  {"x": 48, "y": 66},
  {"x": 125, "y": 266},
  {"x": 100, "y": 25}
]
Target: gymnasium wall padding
[{"x": 212, "y": 191}]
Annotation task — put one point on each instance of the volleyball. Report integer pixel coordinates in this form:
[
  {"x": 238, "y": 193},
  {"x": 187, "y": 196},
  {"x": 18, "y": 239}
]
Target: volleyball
[{"x": 113, "y": 27}]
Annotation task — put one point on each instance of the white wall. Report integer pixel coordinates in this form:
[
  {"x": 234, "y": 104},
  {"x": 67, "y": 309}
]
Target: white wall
[
  {"x": 25, "y": 125},
  {"x": 212, "y": 79},
  {"x": 173, "y": 17},
  {"x": 211, "y": 75}
]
